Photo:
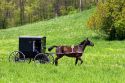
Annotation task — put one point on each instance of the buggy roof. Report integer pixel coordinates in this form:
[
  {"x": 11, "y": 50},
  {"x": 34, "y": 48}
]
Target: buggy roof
[{"x": 39, "y": 37}]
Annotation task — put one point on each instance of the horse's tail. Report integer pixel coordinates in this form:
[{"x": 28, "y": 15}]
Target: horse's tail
[{"x": 50, "y": 48}]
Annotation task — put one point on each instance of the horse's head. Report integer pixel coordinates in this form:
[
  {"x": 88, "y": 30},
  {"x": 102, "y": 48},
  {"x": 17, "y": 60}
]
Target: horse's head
[{"x": 87, "y": 42}]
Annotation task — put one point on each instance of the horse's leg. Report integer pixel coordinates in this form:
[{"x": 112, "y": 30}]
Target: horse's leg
[
  {"x": 58, "y": 57},
  {"x": 76, "y": 61},
  {"x": 80, "y": 60},
  {"x": 56, "y": 61}
]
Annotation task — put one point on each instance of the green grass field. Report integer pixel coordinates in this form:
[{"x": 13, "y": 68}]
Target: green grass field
[{"x": 103, "y": 63}]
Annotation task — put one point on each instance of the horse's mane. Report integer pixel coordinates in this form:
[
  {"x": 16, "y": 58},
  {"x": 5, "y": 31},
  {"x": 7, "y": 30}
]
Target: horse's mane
[{"x": 81, "y": 43}]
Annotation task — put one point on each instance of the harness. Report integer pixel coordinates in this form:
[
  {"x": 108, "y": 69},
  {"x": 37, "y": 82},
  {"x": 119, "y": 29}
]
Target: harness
[
  {"x": 72, "y": 49},
  {"x": 78, "y": 50},
  {"x": 60, "y": 50}
]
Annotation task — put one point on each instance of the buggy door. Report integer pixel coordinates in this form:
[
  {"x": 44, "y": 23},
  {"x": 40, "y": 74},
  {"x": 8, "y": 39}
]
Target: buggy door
[{"x": 37, "y": 46}]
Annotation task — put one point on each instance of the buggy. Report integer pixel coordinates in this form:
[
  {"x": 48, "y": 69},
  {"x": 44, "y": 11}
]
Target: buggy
[{"x": 32, "y": 48}]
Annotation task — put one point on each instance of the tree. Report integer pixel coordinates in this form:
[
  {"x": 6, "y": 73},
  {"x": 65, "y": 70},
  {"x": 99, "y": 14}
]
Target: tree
[
  {"x": 22, "y": 9},
  {"x": 80, "y": 5},
  {"x": 19, "y": 12},
  {"x": 57, "y": 8},
  {"x": 109, "y": 18}
]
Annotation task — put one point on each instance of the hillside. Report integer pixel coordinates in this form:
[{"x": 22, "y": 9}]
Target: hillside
[
  {"x": 103, "y": 63},
  {"x": 69, "y": 29}
]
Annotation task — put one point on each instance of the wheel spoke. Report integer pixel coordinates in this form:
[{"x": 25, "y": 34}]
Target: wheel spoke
[
  {"x": 41, "y": 58},
  {"x": 15, "y": 57}
]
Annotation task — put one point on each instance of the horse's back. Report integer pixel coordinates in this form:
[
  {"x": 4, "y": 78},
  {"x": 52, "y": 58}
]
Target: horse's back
[{"x": 68, "y": 50}]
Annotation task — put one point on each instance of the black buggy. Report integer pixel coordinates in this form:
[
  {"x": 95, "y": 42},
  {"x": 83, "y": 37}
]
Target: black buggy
[{"x": 32, "y": 48}]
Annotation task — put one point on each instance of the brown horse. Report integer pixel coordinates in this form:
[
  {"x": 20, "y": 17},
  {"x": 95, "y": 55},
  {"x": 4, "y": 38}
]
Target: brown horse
[{"x": 71, "y": 51}]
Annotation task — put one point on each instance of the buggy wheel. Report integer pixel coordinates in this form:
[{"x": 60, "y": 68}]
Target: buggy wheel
[
  {"x": 17, "y": 56},
  {"x": 41, "y": 58},
  {"x": 51, "y": 57}
]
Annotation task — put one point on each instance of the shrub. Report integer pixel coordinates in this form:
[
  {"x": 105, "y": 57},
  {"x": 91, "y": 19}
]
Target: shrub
[
  {"x": 68, "y": 10},
  {"x": 109, "y": 19}
]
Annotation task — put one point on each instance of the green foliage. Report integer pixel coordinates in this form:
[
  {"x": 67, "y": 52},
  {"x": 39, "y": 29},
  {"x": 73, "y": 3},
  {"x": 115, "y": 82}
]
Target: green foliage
[
  {"x": 67, "y": 10},
  {"x": 19, "y": 12},
  {"x": 109, "y": 18}
]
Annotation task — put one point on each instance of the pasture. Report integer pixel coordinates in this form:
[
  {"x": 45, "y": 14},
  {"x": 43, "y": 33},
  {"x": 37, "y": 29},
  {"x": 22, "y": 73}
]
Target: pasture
[{"x": 103, "y": 63}]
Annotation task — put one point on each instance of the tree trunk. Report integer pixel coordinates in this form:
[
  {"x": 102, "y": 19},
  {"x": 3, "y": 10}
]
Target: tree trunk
[
  {"x": 96, "y": 1},
  {"x": 22, "y": 12},
  {"x": 57, "y": 8},
  {"x": 80, "y": 5},
  {"x": 6, "y": 15}
]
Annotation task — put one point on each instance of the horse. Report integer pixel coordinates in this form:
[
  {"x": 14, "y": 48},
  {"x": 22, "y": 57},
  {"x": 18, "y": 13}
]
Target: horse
[{"x": 71, "y": 51}]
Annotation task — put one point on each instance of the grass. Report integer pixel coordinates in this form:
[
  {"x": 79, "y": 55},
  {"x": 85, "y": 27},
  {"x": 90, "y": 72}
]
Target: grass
[{"x": 103, "y": 63}]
